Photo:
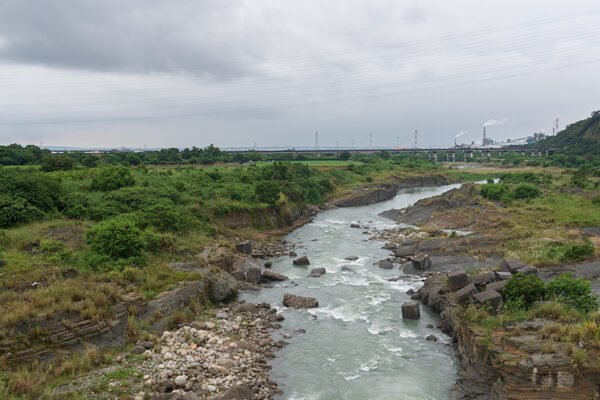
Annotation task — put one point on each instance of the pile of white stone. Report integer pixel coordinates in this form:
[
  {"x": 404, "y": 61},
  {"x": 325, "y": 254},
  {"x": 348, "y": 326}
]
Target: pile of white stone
[{"x": 222, "y": 358}]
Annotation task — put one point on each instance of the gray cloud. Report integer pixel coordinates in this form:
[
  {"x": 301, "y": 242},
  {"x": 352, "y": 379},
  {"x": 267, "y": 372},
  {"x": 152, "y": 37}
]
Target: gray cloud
[{"x": 237, "y": 72}]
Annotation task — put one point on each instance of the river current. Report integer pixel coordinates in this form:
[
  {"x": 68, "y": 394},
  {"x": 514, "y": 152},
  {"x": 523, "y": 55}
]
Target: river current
[{"x": 356, "y": 345}]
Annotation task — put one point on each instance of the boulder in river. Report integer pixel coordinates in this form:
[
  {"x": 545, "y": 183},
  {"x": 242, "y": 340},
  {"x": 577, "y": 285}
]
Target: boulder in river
[
  {"x": 293, "y": 254},
  {"x": 354, "y": 225},
  {"x": 351, "y": 258},
  {"x": 293, "y": 301},
  {"x": 272, "y": 276},
  {"x": 268, "y": 264},
  {"x": 302, "y": 261},
  {"x": 385, "y": 264},
  {"x": 347, "y": 269},
  {"x": 317, "y": 272},
  {"x": 411, "y": 310}
]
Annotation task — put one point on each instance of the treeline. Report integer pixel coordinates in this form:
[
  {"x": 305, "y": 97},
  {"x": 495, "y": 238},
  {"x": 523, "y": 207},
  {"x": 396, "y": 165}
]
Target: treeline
[
  {"x": 15, "y": 154},
  {"x": 581, "y": 138}
]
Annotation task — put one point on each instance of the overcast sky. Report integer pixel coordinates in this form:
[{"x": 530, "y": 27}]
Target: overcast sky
[{"x": 180, "y": 73}]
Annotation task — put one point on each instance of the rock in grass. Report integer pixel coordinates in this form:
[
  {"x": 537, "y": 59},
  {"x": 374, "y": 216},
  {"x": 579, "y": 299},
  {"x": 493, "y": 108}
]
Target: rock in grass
[
  {"x": 244, "y": 247},
  {"x": 301, "y": 261}
]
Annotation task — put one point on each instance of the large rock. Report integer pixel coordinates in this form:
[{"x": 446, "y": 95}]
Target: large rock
[
  {"x": 465, "y": 294},
  {"x": 458, "y": 279},
  {"x": 389, "y": 246},
  {"x": 384, "y": 264},
  {"x": 294, "y": 301},
  {"x": 527, "y": 270},
  {"x": 238, "y": 392},
  {"x": 253, "y": 274},
  {"x": 497, "y": 286},
  {"x": 244, "y": 247},
  {"x": 404, "y": 250},
  {"x": 301, "y": 261},
  {"x": 483, "y": 278},
  {"x": 502, "y": 275},
  {"x": 272, "y": 276},
  {"x": 512, "y": 265},
  {"x": 489, "y": 298},
  {"x": 421, "y": 263},
  {"x": 351, "y": 258},
  {"x": 317, "y": 272},
  {"x": 411, "y": 310}
]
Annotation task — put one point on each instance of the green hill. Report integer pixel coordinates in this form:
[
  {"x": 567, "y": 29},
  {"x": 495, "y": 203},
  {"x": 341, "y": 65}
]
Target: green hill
[{"x": 579, "y": 138}]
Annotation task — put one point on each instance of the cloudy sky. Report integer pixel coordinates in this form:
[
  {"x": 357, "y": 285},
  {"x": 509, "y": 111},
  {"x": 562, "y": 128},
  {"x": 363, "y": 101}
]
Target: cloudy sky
[{"x": 180, "y": 73}]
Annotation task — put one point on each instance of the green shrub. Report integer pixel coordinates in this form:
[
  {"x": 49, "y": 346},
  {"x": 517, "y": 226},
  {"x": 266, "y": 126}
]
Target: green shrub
[
  {"x": 39, "y": 190},
  {"x": 267, "y": 192},
  {"x": 112, "y": 178},
  {"x": 117, "y": 238},
  {"x": 166, "y": 217},
  {"x": 571, "y": 252},
  {"x": 16, "y": 210},
  {"x": 495, "y": 191},
  {"x": 579, "y": 251},
  {"x": 526, "y": 191},
  {"x": 57, "y": 163},
  {"x": 596, "y": 200},
  {"x": 76, "y": 206},
  {"x": 574, "y": 292},
  {"x": 526, "y": 289}
]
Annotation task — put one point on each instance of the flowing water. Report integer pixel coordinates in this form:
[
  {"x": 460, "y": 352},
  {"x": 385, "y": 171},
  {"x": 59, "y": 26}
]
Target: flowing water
[{"x": 356, "y": 345}]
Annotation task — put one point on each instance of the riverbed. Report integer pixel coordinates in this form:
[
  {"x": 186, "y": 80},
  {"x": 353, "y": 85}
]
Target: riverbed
[{"x": 356, "y": 345}]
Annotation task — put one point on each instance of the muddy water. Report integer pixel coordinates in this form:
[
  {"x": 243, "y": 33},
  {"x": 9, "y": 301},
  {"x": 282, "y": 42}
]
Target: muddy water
[{"x": 356, "y": 345}]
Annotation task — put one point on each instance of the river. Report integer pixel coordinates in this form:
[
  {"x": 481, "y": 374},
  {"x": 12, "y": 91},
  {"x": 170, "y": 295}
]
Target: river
[{"x": 356, "y": 345}]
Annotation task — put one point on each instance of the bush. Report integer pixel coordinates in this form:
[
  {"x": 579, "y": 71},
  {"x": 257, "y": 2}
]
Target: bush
[
  {"x": 578, "y": 252},
  {"x": 526, "y": 191},
  {"x": 117, "y": 238},
  {"x": 576, "y": 293},
  {"x": 39, "y": 190},
  {"x": 494, "y": 191},
  {"x": 526, "y": 289},
  {"x": 166, "y": 217},
  {"x": 267, "y": 192},
  {"x": 76, "y": 206},
  {"x": 57, "y": 163},
  {"x": 16, "y": 210},
  {"x": 112, "y": 178}
]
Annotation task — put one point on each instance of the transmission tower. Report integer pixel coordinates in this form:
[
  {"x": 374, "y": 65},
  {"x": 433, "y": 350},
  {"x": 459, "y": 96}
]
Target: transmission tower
[
  {"x": 317, "y": 143},
  {"x": 556, "y": 124}
]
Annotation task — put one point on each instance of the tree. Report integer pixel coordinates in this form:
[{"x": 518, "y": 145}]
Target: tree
[
  {"x": 112, "y": 178},
  {"x": 345, "y": 155},
  {"x": 57, "y": 163},
  {"x": 117, "y": 238},
  {"x": 267, "y": 192}
]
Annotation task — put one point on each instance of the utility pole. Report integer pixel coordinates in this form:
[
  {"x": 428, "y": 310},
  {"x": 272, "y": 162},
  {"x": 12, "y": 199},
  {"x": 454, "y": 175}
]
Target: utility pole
[
  {"x": 317, "y": 143},
  {"x": 370, "y": 140}
]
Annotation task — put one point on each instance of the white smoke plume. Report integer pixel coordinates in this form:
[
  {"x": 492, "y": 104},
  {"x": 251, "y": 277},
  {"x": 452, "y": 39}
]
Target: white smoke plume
[
  {"x": 494, "y": 122},
  {"x": 461, "y": 134}
]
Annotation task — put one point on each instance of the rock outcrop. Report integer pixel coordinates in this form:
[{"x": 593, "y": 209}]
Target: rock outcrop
[{"x": 294, "y": 301}]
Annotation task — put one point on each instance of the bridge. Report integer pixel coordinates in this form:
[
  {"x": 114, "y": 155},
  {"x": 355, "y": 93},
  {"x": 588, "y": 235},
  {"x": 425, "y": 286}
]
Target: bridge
[{"x": 434, "y": 154}]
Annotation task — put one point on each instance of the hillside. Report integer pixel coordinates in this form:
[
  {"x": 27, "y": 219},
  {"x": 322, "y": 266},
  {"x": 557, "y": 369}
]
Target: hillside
[{"x": 582, "y": 137}]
